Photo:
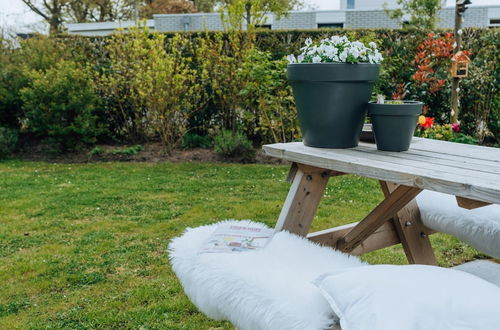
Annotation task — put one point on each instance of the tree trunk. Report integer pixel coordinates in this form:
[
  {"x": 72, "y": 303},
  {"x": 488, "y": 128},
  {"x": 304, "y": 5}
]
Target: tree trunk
[{"x": 248, "y": 8}]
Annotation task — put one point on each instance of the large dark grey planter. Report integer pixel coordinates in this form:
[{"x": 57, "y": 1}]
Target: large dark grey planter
[
  {"x": 331, "y": 101},
  {"x": 394, "y": 124}
]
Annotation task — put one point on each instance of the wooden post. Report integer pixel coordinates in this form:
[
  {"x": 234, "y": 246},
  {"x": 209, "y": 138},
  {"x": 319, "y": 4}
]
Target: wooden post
[
  {"x": 455, "y": 83},
  {"x": 303, "y": 199}
]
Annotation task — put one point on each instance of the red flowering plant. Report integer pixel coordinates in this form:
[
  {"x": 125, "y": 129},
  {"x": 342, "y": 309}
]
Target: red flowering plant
[{"x": 429, "y": 82}]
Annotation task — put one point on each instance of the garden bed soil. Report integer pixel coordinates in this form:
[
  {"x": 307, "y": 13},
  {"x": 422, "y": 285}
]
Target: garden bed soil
[{"x": 151, "y": 152}]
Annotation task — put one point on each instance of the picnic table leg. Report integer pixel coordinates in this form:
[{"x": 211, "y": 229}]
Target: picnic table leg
[
  {"x": 413, "y": 234},
  {"x": 308, "y": 185}
]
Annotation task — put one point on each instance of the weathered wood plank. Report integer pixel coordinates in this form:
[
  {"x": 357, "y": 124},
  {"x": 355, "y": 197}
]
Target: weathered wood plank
[
  {"x": 475, "y": 170},
  {"x": 401, "y": 196},
  {"x": 357, "y": 159},
  {"x": 303, "y": 198},
  {"x": 411, "y": 231},
  {"x": 383, "y": 168},
  {"x": 470, "y": 204},
  {"x": 462, "y": 150},
  {"x": 441, "y": 159},
  {"x": 383, "y": 237}
]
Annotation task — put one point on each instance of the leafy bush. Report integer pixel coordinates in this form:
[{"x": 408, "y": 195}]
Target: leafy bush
[
  {"x": 129, "y": 151},
  {"x": 151, "y": 86},
  {"x": 269, "y": 108},
  {"x": 191, "y": 140},
  {"x": 60, "y": 105},
  {"x": 96, "y": 151},
  {"x": 170, "y": 86},
  {"x": 124, "y": 102},
  {"x": 8, "y": 141},
  {"x": 480, "y": 91},
  {"x": 234, "y": 145},
  {"x": 16, "y": 61}
]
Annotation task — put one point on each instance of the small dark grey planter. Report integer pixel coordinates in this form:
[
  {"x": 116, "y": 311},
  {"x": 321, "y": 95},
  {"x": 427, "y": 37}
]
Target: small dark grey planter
[
  {"x": 394, "y": 124},
  {"x": 331, "y": 101}
]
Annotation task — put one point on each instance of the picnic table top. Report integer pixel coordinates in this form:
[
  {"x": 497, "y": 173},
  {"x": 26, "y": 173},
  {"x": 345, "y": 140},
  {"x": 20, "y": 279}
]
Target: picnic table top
[{"x": 458, "y": 169}]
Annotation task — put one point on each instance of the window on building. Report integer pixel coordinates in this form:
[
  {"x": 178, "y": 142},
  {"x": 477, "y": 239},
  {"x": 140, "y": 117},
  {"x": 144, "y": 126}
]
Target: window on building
[
  {"x": 495, "y": 22},
  {"x": 330, "y": 25},
  {"x": 264, "y": 27},
  {"x": 350, "y": 4}
]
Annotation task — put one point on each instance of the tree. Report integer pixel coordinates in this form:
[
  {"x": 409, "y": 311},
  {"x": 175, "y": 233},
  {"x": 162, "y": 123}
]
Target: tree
[
  {"x": 254, "y": 12},
  {"x": 52, "y": 11},
  {"x": 81, "y": 11},
  {"x": 204, "y": 6},
  {"x": 168, "y": 7},
  {"x": 57, "y": 12},
  {"x": 423, "y": 13}
]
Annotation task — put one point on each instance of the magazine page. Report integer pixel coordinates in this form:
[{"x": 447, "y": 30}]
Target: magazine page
[{"x": 234, "y": 238}]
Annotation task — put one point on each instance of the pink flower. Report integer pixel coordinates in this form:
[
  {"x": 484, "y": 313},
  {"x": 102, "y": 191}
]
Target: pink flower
[{"x": 455, "y": 127}]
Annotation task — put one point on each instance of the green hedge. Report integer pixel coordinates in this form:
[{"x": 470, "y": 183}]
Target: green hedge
[{"x": 240, "y": 83}]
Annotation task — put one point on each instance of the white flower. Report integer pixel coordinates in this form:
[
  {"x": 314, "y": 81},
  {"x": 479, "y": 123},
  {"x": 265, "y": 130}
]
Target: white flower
[
  {"x": 291, "y": 59},
  {"x": 337, "y": 50},
  {"x": 357, "y": 44},
  {"x": 311, "y": 51},
  {"x": 335, "y": 39},
  {"x": 354, "y": 52},
  {"x": 343, "y": 56}
]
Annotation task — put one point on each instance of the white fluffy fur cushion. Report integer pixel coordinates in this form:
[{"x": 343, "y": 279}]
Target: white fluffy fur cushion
[
  {"x": 479, "y": 227},
  {"x": 487, "y": 270},
  {"x": 265, "y": 289}
]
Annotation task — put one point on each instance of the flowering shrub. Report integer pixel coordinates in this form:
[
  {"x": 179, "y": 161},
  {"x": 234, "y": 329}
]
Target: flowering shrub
[
  {"x": 429, "y": 81},
  {"x": 425, "y": 122},
  {"x": 427, "y": 129},
  {"x": 431, "y": 53},
  {"x": 337, "y": 50}
]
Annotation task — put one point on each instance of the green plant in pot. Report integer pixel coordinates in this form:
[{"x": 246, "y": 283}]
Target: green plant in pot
[
  {"x": 332, "y": 80},
  {"x": 394, "y": 122}
]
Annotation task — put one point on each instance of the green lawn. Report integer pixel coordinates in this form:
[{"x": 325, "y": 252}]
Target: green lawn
[{"x": 83, "y": 245}]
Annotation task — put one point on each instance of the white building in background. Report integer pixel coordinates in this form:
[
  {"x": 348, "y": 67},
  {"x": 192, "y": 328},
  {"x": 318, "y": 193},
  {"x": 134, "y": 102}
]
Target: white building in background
[
  {"x": 372, "y": 4},
  {"x": 352, "y": 14},
  {"x": 103, "y": 28}
]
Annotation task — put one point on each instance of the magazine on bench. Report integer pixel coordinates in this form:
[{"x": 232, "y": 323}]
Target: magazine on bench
[{"x": 234, "y": 238}]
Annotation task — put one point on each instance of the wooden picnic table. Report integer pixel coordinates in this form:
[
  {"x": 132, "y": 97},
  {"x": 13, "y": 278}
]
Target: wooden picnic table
[{"x": 471, "y": 173}]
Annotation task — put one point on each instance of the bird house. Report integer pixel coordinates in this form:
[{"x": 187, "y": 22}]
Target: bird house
[{"x": 459, "y": 65}]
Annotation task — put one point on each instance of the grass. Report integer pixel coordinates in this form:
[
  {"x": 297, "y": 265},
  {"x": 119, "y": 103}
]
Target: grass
[{"x": 83, "y": 245}]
